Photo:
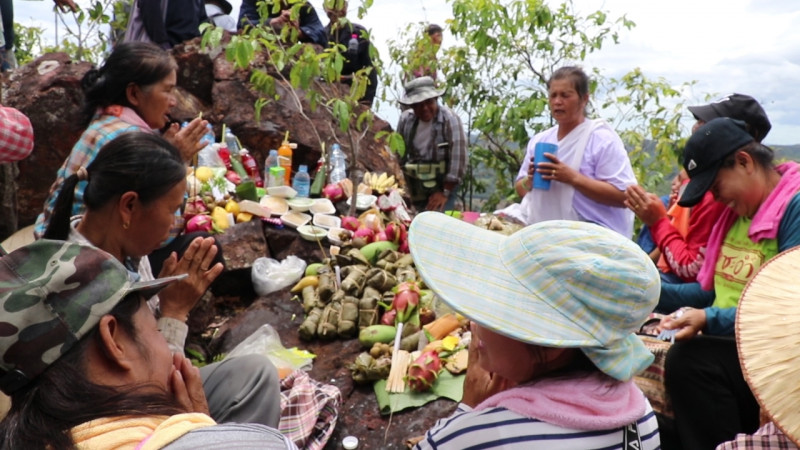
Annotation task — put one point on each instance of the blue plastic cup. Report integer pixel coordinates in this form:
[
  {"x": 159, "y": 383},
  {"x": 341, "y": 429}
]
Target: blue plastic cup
[{"x": 538, "y": 157}]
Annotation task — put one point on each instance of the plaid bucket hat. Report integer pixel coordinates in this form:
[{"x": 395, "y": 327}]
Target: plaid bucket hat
[
  {"x": 52, "y": 293},
  {"x": 555, "y": 284}
]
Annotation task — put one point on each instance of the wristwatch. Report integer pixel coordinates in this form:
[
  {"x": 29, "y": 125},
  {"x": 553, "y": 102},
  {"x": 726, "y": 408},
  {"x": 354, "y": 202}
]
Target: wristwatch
[{"x": 446, "y": 192}]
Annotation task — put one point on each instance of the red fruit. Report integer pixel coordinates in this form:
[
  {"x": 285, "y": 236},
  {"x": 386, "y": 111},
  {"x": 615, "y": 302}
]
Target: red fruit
[
  {"x": 194, "y": 207},
  {"x": 380, "y": 236},
  {"x": 392, "y": 232},
  {"x": 233, "y": 177},
  {"x": 350, "y": 223},
  {"x": 405, "y": 300},
  {"x": 424, "y": 371},
  {"x": 365, "y": 233},
  {"x": 333, "y": 192},
  {"x": 200, "y": 222},
  {"x": 403, "y": 247},
  {"x": 388, "y": 317}
]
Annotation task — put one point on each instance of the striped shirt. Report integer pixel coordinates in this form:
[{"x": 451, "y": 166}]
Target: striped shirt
[{"x": 499, "y": 428}]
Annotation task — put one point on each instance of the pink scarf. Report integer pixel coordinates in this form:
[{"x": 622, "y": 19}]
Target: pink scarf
[
  {"x": 765, "y": 223},
  {"x": 593, "y": 402}
]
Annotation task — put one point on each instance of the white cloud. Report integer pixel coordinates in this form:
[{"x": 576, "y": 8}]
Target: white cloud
[{"x": 747, "y": 46}]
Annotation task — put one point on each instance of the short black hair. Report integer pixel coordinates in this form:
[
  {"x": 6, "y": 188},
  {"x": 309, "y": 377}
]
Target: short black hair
[{"x": 433, "y": 29}]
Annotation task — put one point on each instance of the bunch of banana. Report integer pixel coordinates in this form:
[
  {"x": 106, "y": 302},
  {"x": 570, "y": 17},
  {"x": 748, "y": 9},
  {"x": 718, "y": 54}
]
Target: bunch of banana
[{"x": 380, "y": 183}]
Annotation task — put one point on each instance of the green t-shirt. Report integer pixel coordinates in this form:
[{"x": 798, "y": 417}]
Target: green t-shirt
[{"x": 739, "y": 259}]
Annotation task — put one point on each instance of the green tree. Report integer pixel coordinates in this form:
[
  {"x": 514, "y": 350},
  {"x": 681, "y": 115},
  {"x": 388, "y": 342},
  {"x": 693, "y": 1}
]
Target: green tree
[
  {"x": 496, "y": 78},
  {"x": 27, "y": 43},
  {"x": 647, "y": 115},
  {"x": 301, "y": 71}
]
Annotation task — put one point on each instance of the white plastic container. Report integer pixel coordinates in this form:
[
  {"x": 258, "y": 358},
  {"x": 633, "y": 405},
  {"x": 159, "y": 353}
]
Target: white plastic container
[
  {"x": 301, "y": 204},
  {"x": 312, "y": 233},
  {"x": 295, "y": 219},
  {"x": 281, "y": 191},
  {"x": 322, "y": 206},
  {"x": 364, "y": 201},
  {"x": 277, "y": 206},
  {"x": 337, "y": 236},
  {"x": 327, "y": 221}
]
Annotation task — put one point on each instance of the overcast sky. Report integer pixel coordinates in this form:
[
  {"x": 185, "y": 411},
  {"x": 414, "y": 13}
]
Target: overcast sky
[{"x": 746, "y": 46}]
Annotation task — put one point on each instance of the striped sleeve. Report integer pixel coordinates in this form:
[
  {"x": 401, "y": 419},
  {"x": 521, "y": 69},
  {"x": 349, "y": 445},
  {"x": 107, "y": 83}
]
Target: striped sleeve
[{"x": 500, "y": 428}]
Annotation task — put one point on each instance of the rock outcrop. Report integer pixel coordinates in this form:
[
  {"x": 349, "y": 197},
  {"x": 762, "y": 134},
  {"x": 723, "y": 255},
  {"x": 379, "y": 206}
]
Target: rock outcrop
[{"x": 48, "y": 91}]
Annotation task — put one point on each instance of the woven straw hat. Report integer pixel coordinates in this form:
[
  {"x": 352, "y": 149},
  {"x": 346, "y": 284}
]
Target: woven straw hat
[{"x": 767, "y": 321}]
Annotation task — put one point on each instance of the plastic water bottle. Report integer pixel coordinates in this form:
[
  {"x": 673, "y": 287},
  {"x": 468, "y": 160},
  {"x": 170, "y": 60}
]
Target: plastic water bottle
[
  {"x": 302, "y": 182},
  {"x": 338, "y": 170},
  {"x": 352, "y": 46},
  {"x": 231, "y": 142},
  {"x": 271, "y": 161}
]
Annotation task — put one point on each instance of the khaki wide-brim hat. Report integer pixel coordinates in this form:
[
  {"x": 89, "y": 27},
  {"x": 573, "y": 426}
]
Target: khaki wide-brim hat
[
  {"x": 420, "y": 89},
  {"x": 767, "y": 324}
]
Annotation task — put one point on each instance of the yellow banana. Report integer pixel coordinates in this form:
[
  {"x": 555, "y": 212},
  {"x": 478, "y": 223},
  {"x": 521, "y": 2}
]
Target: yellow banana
[
  {"x": 310, "y": 280},
  {"x": 388, "y": 183}
]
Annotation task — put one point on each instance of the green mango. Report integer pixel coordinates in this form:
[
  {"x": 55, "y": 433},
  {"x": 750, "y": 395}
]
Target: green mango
[
  {"x": 312, "y": 269},
  {"x": 376, "y": 333}
]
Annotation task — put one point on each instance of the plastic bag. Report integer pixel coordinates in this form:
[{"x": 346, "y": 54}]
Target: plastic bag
[
  {"x": 270, "y": 275},
  {"x": 265, "y": 341}
]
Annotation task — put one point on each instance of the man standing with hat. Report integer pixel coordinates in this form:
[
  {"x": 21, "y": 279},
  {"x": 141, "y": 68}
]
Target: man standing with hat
[{"x": 436, "y": 147}]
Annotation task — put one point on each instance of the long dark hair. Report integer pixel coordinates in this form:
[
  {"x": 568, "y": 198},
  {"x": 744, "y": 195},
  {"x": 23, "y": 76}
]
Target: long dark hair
[
  {"x": 136, "y": 161},
  {"x": 43, "y": 412},
  {"x": 141, "y": 63}
]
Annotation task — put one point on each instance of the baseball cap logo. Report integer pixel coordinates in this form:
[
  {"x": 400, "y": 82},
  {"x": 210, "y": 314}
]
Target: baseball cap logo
[{"x": 692, "y": 165}]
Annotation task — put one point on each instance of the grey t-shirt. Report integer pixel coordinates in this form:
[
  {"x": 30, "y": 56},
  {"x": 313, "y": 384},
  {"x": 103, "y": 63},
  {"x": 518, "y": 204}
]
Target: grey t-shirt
[{"x": 241, "y": 436}]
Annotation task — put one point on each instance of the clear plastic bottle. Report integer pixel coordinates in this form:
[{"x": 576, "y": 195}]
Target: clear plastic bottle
[
  {"x": 231, "y": 142},
  {"x": 302, "y": 182},
  {"x": 271, "y": 161},
  {"x": 338, "y": 170},
  {"x": 352, "y": 46}
]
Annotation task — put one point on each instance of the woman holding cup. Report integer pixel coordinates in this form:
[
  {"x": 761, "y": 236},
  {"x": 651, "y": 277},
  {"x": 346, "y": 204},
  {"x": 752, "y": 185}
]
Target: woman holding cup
[{"x": 583, "y": 161}]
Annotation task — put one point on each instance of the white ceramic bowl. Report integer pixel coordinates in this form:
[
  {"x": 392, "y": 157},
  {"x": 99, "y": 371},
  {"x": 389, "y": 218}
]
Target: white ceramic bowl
[
  {"x": 312, "y": 233},
  {"x": 281, "y": 191},
  {"x": 301, "y": 204},
  {"x": 322, "y": 206},
  {"x": 327, "y": 221},
  {"x": 364, "y": 201},
  {"x": 335, "y": 235},
  {"x": 277, "y": 206},
  {"x": 295, "y": 219}
]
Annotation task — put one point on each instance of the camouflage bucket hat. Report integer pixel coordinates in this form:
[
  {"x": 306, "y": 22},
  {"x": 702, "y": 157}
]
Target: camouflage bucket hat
[{"x": 52, "y": 293}]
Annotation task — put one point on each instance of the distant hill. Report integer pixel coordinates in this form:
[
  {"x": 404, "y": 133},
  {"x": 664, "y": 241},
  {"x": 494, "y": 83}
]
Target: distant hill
[{"x": 790, "y": 152}]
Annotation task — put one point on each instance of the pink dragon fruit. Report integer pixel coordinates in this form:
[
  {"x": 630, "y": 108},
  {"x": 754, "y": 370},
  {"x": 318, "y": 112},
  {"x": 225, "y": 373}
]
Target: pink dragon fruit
[
  {"x": 350, "y": 223},
  {"x": 424, "y": 371},
  {"x": 406, "y": 299}
]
